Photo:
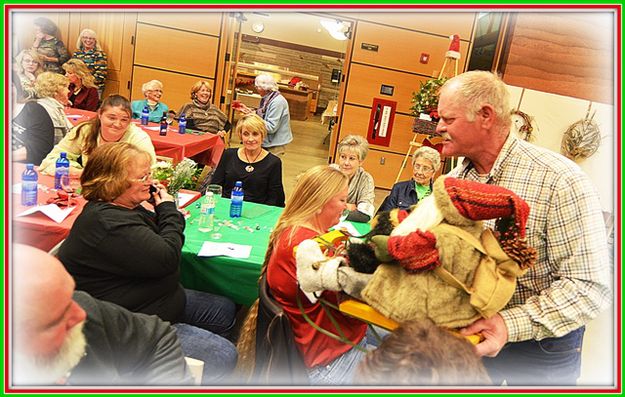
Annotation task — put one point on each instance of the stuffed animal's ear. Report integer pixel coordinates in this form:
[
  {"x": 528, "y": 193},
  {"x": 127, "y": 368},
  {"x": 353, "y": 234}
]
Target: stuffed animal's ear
[
  {"x": 362, "y": 258},
  {"x": 382, "y": 223}
]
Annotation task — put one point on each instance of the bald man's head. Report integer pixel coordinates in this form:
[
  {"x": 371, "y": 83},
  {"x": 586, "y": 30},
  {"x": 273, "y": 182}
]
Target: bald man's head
[{"x": 46, "y": 321}]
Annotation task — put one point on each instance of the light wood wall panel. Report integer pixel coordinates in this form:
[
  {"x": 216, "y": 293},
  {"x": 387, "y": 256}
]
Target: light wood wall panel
[
  {"x": 383, "y": 167},
  {"x": 401, "y": 38},
  {"x": 401, "y": 49},
  {"x": 364, "y": 84},
  {"x": 200, "y": 22},
  {"x": 176, "y": 50},
  {"x": 114, "y": 30},
  {"x": 176, "y": 90},
  {"x": 568, "y": 54},
  {"x": 356, "y": 121},
  {"x": 445, "y": 24}
]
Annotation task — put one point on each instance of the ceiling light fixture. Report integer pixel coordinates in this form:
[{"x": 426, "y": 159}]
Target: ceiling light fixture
[{"x": 338, "y": 29}]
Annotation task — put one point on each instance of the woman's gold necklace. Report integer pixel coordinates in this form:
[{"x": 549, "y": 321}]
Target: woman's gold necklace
[{"x": 250, "y": 167}]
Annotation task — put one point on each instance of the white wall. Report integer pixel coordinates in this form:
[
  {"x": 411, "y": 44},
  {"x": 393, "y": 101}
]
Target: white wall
[
  {"x": 553, "y": 114},
  {"x": 290, "y": 27}
]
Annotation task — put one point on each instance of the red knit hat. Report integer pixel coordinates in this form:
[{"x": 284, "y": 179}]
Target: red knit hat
[
  {"x": 479, "y": 201},
  {"x": 461, "y": 202}
]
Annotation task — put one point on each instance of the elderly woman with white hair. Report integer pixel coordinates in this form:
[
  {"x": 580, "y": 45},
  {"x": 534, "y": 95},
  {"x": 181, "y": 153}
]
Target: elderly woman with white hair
[
  {"x": 425, "y": 163},
  {"x": 274, "y": 109},
  {"x": 90, "y": 52},
  {"x": 352, "y": 151},
  {"x": 153, "y": 92}
]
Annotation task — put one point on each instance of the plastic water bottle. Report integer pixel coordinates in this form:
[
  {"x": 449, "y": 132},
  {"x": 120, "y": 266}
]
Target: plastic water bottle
[
  {"x": 207, "y": 213},
  {"x": 164, "y": 125},
  {"x": 182, "y": 124},
  {"x": 236, "y": 200},
  {"x": 62, "y": 168},
  {"x": 29, "y": 186},
  {"x": 145, "y": 115}
]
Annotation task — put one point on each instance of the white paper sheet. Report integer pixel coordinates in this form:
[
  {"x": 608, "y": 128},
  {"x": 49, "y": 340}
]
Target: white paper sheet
[
  {"x": 210, "y": 248},
  {"x": 184, "y": 198},
  {"x": 346, "y": 225},
  {"x": 52, "y": 211}
]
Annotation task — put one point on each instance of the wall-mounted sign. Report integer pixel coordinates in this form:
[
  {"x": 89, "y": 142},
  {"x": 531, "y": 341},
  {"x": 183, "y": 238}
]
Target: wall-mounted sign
[
  {"x": 387, "y": 90},
  {"x": 381, "y": 122},
  {"x": 369, "y": 47}
]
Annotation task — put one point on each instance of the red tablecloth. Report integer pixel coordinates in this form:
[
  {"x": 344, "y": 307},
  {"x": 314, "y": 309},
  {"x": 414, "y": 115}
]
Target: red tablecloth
[
  {"x": 37, "y": 229},
  {"x": 207, "y": 147}
]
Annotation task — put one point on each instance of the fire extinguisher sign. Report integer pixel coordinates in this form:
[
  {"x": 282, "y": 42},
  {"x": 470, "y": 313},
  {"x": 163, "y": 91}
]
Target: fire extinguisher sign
[{"x": 381, "y": 122}]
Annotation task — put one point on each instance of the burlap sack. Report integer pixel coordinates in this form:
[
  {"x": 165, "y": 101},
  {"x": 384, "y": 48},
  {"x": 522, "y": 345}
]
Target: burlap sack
[
  {"x": 476, "y": 279},
  {"x": 402, "y": 296}
]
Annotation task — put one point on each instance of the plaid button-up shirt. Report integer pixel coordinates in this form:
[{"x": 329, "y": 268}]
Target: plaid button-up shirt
[{"x": 570, "y": 282}]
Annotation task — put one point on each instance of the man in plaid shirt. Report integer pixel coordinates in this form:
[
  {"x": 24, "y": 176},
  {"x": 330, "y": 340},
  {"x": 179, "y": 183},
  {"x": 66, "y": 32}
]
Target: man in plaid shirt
[{"x": 536, "y": 339}]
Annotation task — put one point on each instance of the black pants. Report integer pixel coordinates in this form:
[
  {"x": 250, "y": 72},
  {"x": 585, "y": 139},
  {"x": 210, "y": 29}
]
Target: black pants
[{"x": 551, "y": 361}]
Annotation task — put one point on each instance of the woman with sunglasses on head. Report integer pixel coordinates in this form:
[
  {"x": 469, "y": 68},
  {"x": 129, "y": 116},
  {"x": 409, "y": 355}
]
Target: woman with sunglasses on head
[
  {"x": 425, "y": 163},
  {"x": 27, "y": 67}
]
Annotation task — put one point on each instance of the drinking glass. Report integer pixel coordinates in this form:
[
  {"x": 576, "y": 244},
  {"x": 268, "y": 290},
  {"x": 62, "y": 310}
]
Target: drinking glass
[
  {"x": 71, "y": 184},
  {"x": 217, "y": 191},
  {"x": 216, "y": 227}
]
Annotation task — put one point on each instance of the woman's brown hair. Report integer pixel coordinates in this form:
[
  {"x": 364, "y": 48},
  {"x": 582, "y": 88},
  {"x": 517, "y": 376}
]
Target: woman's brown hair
[{"x": 91, "y": 128}]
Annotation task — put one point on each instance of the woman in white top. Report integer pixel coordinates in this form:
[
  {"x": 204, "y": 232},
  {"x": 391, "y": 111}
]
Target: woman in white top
[{"x": 112, "y": 124}]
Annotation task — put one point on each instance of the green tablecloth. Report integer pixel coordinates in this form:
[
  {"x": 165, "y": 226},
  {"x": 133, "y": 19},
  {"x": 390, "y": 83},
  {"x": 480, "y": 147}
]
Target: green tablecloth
[{"x": 232, "y": 277}]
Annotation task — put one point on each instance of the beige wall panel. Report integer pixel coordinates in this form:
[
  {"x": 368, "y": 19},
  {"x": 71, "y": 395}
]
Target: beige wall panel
[
  {"x": 22, "y": 28},
  {"x": 176, "y": 50},
  {"x": 443, "y": 23},
  {"x": 384, "y": 174},
  {"x": 111, "y": 87},
  {"x": 176, "y": 90},
  {"x": 401, "y": 49},
  {"x": 355, "y": 120},
  {"x": 364, "y": 84},
  {"x": 201, "y": 22}
]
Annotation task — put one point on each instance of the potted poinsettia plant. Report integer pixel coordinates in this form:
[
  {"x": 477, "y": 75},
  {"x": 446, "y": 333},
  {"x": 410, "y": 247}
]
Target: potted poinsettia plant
[{"x": 425, "y": 105}]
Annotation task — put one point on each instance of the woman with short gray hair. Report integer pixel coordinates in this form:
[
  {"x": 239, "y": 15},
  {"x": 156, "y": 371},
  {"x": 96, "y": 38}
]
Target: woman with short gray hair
[
  {"x": 153, "y": 92},
  {"x": 352, "y": 151},
  {"x": 425, "y": 163},
  {"x": 274, "y": 109}
]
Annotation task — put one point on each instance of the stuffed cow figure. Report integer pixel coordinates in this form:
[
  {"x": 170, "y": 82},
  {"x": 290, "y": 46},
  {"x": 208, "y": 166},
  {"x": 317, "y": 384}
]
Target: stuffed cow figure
[{"x": 439, "y": 262}]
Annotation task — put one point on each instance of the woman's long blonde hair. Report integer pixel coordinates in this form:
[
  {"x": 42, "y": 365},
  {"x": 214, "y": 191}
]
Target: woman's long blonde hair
[{"x": 313, "y": 189}]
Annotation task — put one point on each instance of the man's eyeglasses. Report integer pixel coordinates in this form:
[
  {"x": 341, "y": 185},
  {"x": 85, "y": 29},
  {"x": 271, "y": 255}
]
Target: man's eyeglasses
[
  {"x": 423, "y": 168},
  {"x": 144, "y": 178}
]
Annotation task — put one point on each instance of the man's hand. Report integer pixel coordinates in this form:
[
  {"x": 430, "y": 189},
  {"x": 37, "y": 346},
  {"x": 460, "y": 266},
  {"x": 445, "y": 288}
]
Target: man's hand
[{"x": 493, "y": 330}]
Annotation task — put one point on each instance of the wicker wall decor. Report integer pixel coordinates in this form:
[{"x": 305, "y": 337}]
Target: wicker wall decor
[
  {"x": 582, "y": 139},
  {"x": 524, "y": 125}
]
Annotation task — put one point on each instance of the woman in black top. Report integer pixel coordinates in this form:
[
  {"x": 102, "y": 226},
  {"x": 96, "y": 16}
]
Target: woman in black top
[
  {"x": 259, "y": 170},
  {"x": 120, "y": 252}
]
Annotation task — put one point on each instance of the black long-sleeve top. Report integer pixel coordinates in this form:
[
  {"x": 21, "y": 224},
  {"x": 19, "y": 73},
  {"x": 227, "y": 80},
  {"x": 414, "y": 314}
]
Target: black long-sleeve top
[
  {"x": 130, "y": 257},
  {"x": 263, "y": 185}
]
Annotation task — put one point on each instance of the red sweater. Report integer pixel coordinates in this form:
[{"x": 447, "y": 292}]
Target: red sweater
[
  {"x": 316, "y": 348},
  {"x": 87, "y": 98}
]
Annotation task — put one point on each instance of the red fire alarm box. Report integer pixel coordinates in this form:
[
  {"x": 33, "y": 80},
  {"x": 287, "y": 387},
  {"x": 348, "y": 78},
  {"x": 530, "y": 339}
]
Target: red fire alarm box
[{"x": 381, "y": 122}]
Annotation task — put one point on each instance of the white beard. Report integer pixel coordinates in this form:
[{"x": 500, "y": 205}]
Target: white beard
[
  {"x": 424, "y": 217},
  {"x": 30, "y": 370}
]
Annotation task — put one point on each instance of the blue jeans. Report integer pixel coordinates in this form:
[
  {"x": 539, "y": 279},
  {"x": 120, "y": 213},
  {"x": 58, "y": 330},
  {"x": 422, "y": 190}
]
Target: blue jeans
[
  {"x": 341, "y": 370},
  {"x": 551, "y": 361},
  {"x": 205, "y": 316}
]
